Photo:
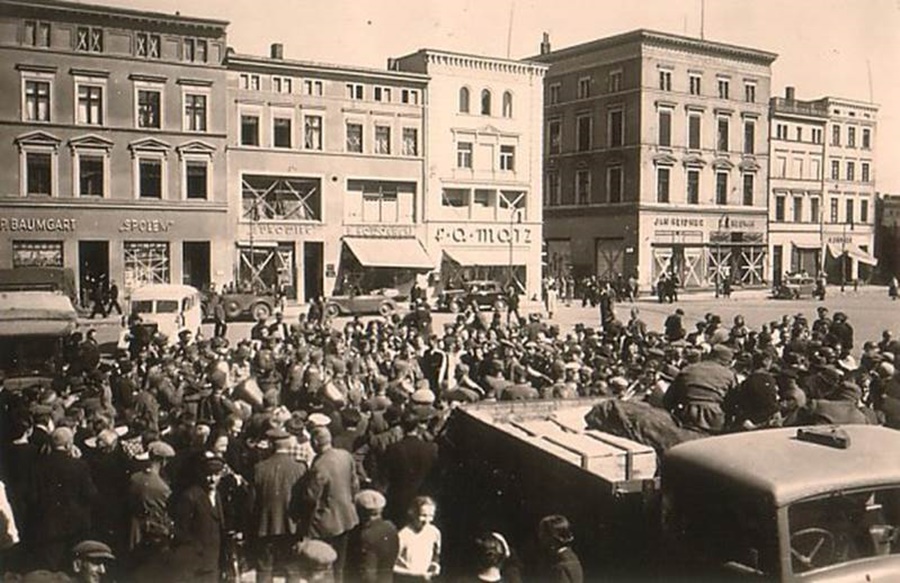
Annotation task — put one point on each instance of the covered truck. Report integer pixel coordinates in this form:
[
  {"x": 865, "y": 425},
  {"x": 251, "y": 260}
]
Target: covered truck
[{"x": 789, "y": 504}]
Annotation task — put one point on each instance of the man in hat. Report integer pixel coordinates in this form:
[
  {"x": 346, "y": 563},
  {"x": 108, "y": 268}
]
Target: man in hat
[
  {"x": 407, "y": 465},
  {"x": 150, "y": 526},
  {"x": 199, "y": 525},
  {"x": 89, "y": 559},
  {"x": 374, "y": 544},
  {"x": 674, "y": 326},
  {"x": 697, "y": 396},
  {"x": 823, "y": 323},
  {"x": 274, "y": 526}
]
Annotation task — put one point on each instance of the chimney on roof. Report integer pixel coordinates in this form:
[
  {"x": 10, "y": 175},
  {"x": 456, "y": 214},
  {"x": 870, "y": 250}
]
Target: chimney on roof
[
  {"x": 277, "y": 51},
  {"x": 789, "y": 93},
  {"x": 545, "y": 44}
]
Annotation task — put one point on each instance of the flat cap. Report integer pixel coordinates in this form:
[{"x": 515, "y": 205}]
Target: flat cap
[
  {"x": 160, "y": 450},
  {"x": 91, "y": 549},
  {"x": 277, "y": 433},
  {"x": 370, "y": 500},
  {"x": 422, "y": 397},
  {"x": 319, "y": 420},
  {"x": 316, "y": 553}
]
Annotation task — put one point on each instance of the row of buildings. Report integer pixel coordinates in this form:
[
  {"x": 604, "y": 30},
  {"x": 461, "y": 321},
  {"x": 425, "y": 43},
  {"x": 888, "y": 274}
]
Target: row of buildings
[{"x": 143, "y": 148}]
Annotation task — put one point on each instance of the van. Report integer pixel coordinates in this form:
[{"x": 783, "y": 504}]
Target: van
[{"x": 171, "y": 308}]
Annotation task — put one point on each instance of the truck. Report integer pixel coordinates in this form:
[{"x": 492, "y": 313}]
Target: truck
[{"x": 783, "y": 504}]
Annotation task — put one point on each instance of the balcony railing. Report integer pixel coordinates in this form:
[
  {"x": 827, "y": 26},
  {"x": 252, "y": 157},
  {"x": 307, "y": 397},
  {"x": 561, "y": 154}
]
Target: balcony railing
[{"x": 813, "y": 108}]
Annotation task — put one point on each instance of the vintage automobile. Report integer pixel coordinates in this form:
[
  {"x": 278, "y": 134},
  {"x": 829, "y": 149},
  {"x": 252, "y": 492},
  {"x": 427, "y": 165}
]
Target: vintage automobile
[
  {"x": 794, "y": 287},
  {"x": 480, "y": 293},
  {"x": 242, "y": 304},
  {"x": 787, "y": 504},
  {"x": 385, "y": 301}
]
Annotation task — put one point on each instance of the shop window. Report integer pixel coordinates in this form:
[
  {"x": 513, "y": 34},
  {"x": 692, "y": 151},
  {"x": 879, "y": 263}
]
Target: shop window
[
  {"x": 37, "y": 100},
  {"x": 195, "y": 113},
  {"x": 410, "y": 142},
  {"x": 91, "y": 174},
  {"x": 508, "y": 158},
  {"x": 464, "y": 155},
  {"x": 281, "y": 132},
  {"x": 146, "y": 45},
  {"x": 512, "y": 201},
  {"x": 37, "y": 254},
  {"x": 150, "y": 178},
  {"x": 463, "y": 100},
  {"x": 267, "y": 269},
  {"x": 196, "y": 179},
  {"x": 249, "y": 130},
  {"x": 37, "y": 33},
  {"x": 354, "y": 137},
  {"x": 382, "y": 139},
  {"x": 90, "y": 104},
  {"x": 149, "y": 108},
  {"x": 146, "y": 263},
  {"x": 281, "y": 198}
]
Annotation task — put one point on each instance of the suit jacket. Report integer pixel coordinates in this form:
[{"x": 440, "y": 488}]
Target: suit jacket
[
  {"x": 198, "y": 534},
  {"x": 274, "y": 481},
  {"x": 406, "y": 465},
  {"x": 328, "y": 495},
  {"x": 372, "y": 550},
  {"x": 62, "y": 495}
]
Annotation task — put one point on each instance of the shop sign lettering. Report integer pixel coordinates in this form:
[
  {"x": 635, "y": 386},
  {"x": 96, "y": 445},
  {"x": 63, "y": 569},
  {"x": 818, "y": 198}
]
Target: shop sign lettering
[
  {"x": 33, "y": 225},
  {"x": 484, "y": 235},
  {"x": 281, "y": 229},
  {"x": 840, "y": 239},
  {"x": 678, "y": 222},
  {"x": 380, "y": 231},
  {"x": 145, "y": 226}
]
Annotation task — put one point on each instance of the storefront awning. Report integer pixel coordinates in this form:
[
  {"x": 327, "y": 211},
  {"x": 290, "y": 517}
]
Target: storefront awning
[
  {"x": 398, "y": 253},
  {"x": 807, "y": 245},
  {"x": 853, "y": 251},
  {"x": 468, "y": 257}
]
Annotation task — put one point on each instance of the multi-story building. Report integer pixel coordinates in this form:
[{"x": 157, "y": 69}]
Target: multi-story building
[
  {"x": 796, "y": 184},
  {"x": 325, "y": 173},
  {"x": 656, "y": 155},
  {"x": 113, "y": 129},
  {"x": 482, "y": 203},
  {"x": 887, "y": 235}
]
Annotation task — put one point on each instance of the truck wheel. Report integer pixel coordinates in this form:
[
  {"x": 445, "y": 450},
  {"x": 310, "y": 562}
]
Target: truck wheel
[
  {"x": 233, "y": 309},
  {"x": 454, "y": 307},
  {"x": 332, "y": 310},
  {"x": 261, "y": 311},
  {"x": 386, "y": 309}
]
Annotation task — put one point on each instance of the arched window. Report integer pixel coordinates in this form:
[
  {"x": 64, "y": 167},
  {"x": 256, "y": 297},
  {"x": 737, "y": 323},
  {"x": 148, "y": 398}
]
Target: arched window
[
  {"x": 485, "y": 102},
  {"x": 464, "y": 100},
  {"x": 507, "y": 104}
]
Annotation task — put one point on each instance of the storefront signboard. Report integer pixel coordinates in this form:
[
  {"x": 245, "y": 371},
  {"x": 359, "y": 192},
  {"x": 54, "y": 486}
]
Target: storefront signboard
[
  {"x": 380, "y": 231},
  {"x": 282, "y": 229},
  {"x": 485, "y": 235},
  {"x": 38, "y": 225}
]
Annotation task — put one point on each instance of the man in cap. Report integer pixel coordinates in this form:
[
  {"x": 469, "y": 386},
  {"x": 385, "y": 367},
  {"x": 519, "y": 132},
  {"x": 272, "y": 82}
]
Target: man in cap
[
  {"x": 109, "y": 470},
  {"x": 374, "y": 544},
  {"x": 697, "y": 396},
  {"x": 315, "y": 559},
  {"x": 199, "y": 525},
  {"x": 273, "y": 525},
  {"x": 89, "y": 560},
  {"x": 148, "y": 503}
]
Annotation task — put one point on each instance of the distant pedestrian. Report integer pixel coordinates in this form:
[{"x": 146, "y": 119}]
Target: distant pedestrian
[
  {"x": 552, "y": 300},
  {"x": 98, "y": 297},
  {"x": 113, "y": 295},
  {"x": 893, "y": 288}
]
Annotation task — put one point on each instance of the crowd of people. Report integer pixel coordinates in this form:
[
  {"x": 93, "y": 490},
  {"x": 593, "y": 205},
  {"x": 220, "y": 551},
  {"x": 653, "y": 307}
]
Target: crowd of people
[{"x": 311, "y": 450}]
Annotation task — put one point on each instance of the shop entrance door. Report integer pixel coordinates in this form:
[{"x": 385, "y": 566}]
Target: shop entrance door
[
  {"x": 93, "y": 268},
  {"x": 195, "y": 264},
  {"x": 313, "y": 269}
]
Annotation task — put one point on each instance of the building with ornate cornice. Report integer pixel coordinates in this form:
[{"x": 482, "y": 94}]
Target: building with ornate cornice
[
  {"x": 656, "y": 153},
  {"x": 482, "y": 205},
  {"x": 114, "y": 134}
]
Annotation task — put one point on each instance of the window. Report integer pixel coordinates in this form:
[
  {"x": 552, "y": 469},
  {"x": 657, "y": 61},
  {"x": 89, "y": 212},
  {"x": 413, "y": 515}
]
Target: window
[
  {"x": 38, "y": 174},
  {"x": 616, "y": 128},
  {"x": 781, "y": 167},
  {"x": 146, "y": 45},
  {"x": 554, "y": 189},
  {"x": 864, "y": 171},
  {"x": 779, "y": 208},
  {"x": 37, "y": 34},
  {"x": 694, "y": 83},
  {"x": 37, "y": 253},
  {"x": 312, "y": 87},
  {"x": 750, "y": 92},
  {"x": 282, "y": 84},
  {"x": 584, "y": 127},
  {"x": 250, "y": 82},
  {"x": 381, "y": 202},
  {"x": 464, "y": 154},
  {"x": 382, "y": 139},
  {"x": 148, "y": 108},
  {"x": 89, "y": 39},
  {"x": 797, "y": 209},
  {"x": 748, "y": 189},
  {"x": 196, "y": 179},
  {"x": 797, "y": 168},
  {"x": 582, "y": 187},
  {"x": 814, "y": 209},
  {"x": 614, "y": 81},
  {"x": 354, "y": 137},
  {"x": 851, "y": 171},
  {"x": 281, "y": 198},
  {"x": 722, "y": 135},
  {"x": 150, "y": 181},
  {"x": 146, "y": 262},
  {"x": 37, "y": 100},
  {"x": 849, "y": 210},
  {"x": 485, "y": 102},
  {"x": 749, "y": 137},
  {"x": 507, "y": 104},
  {"x": 723, "y": 88},
  {"x": 554, "y": 131},
  {"x": 195, "y": 113},
  {"x": 693, "y": 187},
  {"x": 799, "y": 131},
  {"x": 90, "y": 104},
  {"x": 721, "y": 188},
  {"x": 851, "y": 137},
  {"x": 665, "y": 80},
  {"x": 866, "y": 139},
  {"x": 312, "y": 132},
  {"x": 662, "y": 184},
  {"x": 614, "y": 179},
  {"x": 553, "y": 94},
  {"x": 281, "y": 132},
  {"x": 835, "y": 135},
  {"x": 410, "y": 96},
  {"x": 817, "y": 135},
  {"x": 835, "y": 170},
  {"x": 584, "y": 87},
  {"x": 91, "y": 174},
  {"x": 863, "y": 211},
  {"x": 455, "y": 198},
  {"x": 816, "y": 169},
  {"x": 354, "y": 91},
  {"x": 694, "y": 131},
  {"x": 196, "y": 51},
  {"x": 410, "y": 142},
  {"x": 508, "y": 158},
  {"x": 834, "y": 210},
  {"x": 463, "y": 100},
  {"x": 382, "y": 94},
  {"x": 665, "y": 127},
  {"x": 781, "y": 131},
  {"x": 249, "y": 130}
]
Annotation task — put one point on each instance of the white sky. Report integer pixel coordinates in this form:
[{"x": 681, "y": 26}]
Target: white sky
[{"x": 825, "y": 47}]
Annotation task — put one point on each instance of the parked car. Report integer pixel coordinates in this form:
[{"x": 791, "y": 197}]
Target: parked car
[
  {"x": 794, "y": 287},
  {"x": 481, "y": 293},
  {"x": 238, "y": 304},
  {"x": 384, "y": 302}
]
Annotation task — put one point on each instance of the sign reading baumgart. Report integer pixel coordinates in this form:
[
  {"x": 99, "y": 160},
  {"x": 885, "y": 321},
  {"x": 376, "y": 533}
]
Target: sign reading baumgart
[
  {"x": 485, "y": 235},
  {"x": 38, "y": 225}
]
